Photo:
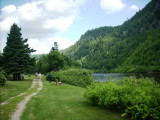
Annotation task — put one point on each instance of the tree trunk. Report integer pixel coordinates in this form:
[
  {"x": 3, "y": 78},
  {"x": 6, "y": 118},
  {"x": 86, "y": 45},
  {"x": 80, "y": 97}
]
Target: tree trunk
[
  {"x": 19, "y": 76},
  {"x": 14, "y": 76}
]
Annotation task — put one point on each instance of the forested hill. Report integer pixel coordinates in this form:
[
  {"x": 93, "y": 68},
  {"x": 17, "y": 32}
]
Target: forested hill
[{"x": 130, "y": 47}]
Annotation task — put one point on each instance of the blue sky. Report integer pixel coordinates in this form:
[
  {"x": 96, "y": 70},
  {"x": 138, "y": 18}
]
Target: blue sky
[
  {"x": 92, "y": 16},
  {"x": 45, "y": 21}
]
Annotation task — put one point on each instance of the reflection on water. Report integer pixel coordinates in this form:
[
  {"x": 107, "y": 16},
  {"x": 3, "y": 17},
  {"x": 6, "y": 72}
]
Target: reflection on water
[{"x": 119, "y": 76}]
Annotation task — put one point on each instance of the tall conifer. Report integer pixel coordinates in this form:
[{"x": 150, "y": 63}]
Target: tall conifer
[{"x": 16, "y": 53}]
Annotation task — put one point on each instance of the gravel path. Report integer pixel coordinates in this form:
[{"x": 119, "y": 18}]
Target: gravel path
[{"x": 22, "y": 105}]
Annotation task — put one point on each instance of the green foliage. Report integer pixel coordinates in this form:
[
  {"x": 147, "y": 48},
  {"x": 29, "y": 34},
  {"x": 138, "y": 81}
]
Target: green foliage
[
  {"x": 16, "y": 59},
  {"x": 55, "y": 47},
  {"x": 42, "y": 65},
  {"x": 1, "y": 61},
  {"x": 2, "y": 79},
  {"x": 94, "y": 33},
  {"x": 146, "y": 57},
  {"x": 136, "y": 98},
  {"x": 52, "y": 62},
  {"x": 64, "y": 102},
  {"x": 135, "y": 41},
  {"x": 55, "y": 60},
  {"x": 77, "y": 77},
  {"x": 77, "y": 64}
]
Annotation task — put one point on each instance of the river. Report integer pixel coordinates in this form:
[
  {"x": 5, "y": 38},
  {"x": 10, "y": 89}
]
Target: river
[{"x": 119, "y": 76}]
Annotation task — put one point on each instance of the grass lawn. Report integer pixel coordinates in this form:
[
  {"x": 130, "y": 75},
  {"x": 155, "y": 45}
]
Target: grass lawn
[
  {"x": 64, "y": 102},
  {"x": 13, "y": 88}
]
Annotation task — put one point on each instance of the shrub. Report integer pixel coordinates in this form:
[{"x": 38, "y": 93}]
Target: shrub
[
  {"x": 77, "y": 77},
  {"x": 138, "y": 99},
  {"x": 2, "y": 79}
]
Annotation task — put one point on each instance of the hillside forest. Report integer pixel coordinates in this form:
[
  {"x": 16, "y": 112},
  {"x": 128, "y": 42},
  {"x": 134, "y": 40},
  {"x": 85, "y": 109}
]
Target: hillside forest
[
  {"x": 65, "y": 77},
  {"x": 130, "y": 47}
]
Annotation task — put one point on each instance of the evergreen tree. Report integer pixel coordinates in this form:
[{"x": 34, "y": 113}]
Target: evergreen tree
[
  {"x": 55, "y": 47},
  {"x": 16, "y": 53}
]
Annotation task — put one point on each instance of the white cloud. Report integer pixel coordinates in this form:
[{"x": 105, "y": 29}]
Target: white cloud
[
  {"x": 7, "y": 22},
  {"x": 134, "y": 7},
  {"x": 8, "y": 10},
  {"x": 39, "y": 46},
  {"x": 2, "y": 44},
  {"x": 29, "y": 11},
  {"x": 46, "y": 45},
  {"x": 41, "y": 19},
  {"x": 63, "y": 42},
  {"x": 111, "y": 6},
  {"x": 60, "y": 23},
  {"x": 132, "y": 10}
]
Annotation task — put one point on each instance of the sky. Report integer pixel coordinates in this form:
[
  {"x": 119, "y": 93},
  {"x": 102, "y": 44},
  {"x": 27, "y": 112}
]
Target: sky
[{"x": 44, "y": 22}]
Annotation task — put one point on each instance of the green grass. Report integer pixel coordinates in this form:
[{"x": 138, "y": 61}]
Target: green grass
[
  {"x": 9, "y": 108},
  {"x": 64, "y": 102},
  {"x": 13, "y": 88}
]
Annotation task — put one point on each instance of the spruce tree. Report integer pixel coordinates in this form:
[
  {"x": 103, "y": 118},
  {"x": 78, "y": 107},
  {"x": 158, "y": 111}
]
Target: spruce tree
[
  {"x": 16, "y": 54},
  {"x": 55, "y": 47}
]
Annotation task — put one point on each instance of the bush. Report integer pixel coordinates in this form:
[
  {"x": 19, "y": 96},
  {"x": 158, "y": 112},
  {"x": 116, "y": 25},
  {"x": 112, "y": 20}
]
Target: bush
[
  {"x": 2, "y": 79},
  {"x": 138, "y": 99},
  {"x": 77, "y": 77}
]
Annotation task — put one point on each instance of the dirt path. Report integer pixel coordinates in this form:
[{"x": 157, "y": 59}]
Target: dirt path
[
  {"x": 22, "y": 105},
  {"x": 32, "y": 86}
]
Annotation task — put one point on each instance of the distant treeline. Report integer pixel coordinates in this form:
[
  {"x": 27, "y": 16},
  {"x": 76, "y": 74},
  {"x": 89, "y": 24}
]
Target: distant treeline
[{"x": 53, "y": 61}]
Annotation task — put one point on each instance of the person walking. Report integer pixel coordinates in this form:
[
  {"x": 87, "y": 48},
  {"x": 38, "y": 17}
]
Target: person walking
[
  {"x": 49, "y": 77},
  {"x": 40, "y": 75},
  {"x": 22, "y": 76},
  {"x": 36, "y": 74}
]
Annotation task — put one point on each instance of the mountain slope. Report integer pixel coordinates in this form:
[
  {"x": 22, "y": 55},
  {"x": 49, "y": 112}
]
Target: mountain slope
[
  {"x": 106, "y": 48},
  {"x": 146, "y": 57}
]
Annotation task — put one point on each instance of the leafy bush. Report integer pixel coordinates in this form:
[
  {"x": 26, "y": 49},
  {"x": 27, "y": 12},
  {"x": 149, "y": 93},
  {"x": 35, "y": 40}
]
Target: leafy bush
[
  {"x": 77, "y": 77},
  {"x": 136, "y": 98},
  {"x": 2, "y": 79}
]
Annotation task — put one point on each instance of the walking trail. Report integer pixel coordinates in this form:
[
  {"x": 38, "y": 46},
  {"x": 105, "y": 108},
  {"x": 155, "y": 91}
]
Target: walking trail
[
  {"x": 22, "y": 105},
  {"x": 32, "y": 86}
]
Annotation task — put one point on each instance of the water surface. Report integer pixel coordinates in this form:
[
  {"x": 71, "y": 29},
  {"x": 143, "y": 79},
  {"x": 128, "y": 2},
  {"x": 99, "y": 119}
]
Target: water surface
[{"x": 119, "y": 76}]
